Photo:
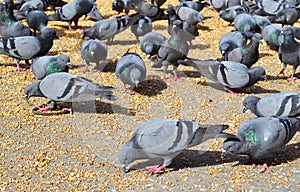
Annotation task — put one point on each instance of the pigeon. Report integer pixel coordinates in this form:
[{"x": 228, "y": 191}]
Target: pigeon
[
  {"x": 230, "y": 13},
  {"x": 244, "y": 21},
  {"x": 165, "y": 139},
  {"x": 65, "y": 87},
  {"x": 231, "y": 74},
  {"x": 260, "y": 137},
  {"x": 288, "y": 51},
  {"x": 131, "y": 69},
  {"x": 286, "y": 16},
  {"x": 72, "y": 11},
  {"x": 93, "y": 50},
  {"x": 37, "y": 20},
  {"x": 189, "y": 15},
  {"x": 260, "y": 22},
  {"x": 158, "y": 3},
  {"x": 28, "y": 47},
  {"x": 275, "y": 104},
  {"x": 108, "y": 28},
  {"x": 217, "y": 4},
  {"x": 120, "y": 5},
  {"x": 230, "y": 41},
  {"x": 247, "y": 54},
  {"x": 196, "y": 5},
  {"x": 141, "y": 27},
  {"x": 270, "y": 7},
  {"x": 174, "y": 49},
  {"x": 148, "y": 9},
  {"x": 45, "y": 65},
  {"x": 95, "y": 14},
  {"x": 9, "y": 26},
  {"x": 151, "y": 42},
  {"x": 270, "y": 34}
]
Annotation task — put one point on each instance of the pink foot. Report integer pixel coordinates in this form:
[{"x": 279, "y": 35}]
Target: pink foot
[
  {"x": 233, "y": 93},
  {"x": 156, "y": 168},
  {"x": 43, "y": 108},
  {"x": 176, "y": 78},
  {"x": 97, "y": 70},
  {"x": 291, "y": 78},
  {"x": 85, "y": 70},
  {"x": 265, "y": 167},
  {"x": 164, "y": 78}
]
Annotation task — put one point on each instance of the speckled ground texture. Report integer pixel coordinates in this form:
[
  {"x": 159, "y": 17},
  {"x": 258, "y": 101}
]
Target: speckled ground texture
[{"x": 78, "y": 152}]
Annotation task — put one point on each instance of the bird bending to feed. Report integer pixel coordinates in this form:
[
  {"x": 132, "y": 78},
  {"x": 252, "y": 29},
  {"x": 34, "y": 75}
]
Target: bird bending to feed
[
  {"x": 260, "y": 137},
  {"x": 64, "y": 87},
  {"x": 165, "y": 139}
]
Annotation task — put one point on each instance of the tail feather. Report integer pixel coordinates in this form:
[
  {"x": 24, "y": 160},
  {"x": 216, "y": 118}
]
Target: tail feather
[{"x": 106, "y": 92}]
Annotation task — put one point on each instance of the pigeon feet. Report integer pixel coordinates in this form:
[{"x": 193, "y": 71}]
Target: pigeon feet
[
  {"x": 291, "y": 78},
  {"x": 264, "y": 168},
  {"x": 85, "y": 70},
  {"x": 156, "y": 169},
  {"x": 97, "y": 70},
  {"x": 233, "y": 93},
  {"x": 44, "y": 108}
]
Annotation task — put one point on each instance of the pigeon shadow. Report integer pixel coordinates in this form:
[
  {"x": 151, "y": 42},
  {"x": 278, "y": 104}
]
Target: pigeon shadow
[
  {"x": 160, "y": 27},
  {"x": 122, "y": 42},
  {"x": 204, "y": 28},
  {"x": 277, "y": 77},
  {"x": 101, "y": 108},
  {"x": 200, "y": 46},
  {"x": 261, "y": 55},
  {"x": 152, "y": 86},
  {"x": 107, "y": 66},
  {"x": 187, "y": 159},
  {"x": 191, "y": 74},
  {"x": 247, "y": 90}
]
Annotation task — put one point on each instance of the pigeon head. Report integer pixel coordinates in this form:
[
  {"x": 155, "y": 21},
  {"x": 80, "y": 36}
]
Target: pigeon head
[
  {"x": 258, "y": 73},
  {"x": 49, "y": 33},
  {"x": 257, "y": 37},
  {"x": 118, "y": 5},
  {"x": 33, "y": 90},
  {"x": 92, "y": 48},
  {"x": 130, "y": 153},
  {"x": 249, "y": 103},
  {"x": 61, "y": 65},
  {"x": 287, "y": 31},
  {"x": 231, "y": 145}
]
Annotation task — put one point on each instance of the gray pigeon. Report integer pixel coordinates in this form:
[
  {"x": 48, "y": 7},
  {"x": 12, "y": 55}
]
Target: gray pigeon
[
  {"x": 120, "y": 5},
  {"x": 93, "y": 51},
  {"x": 230, "y": 13},
  {"x": 9, "y": 26},
  {"x": 189, "y": 15},
  {"x": 270, "y": 7},
  {"x": 37, "y": 20},
  {"x": 174, "y": 49},
  {"x": 230, "y": 41},
  {"x": 286, "y": 16},
  {"x": 108, "y": 28},
  {"x": 72, "y": 11},
  {"x": 64, "y": 87},
  {"x": 260, "y": 137},
  {"x": 247, "y": 54},
  {"x": 288, "y": 52},
  {"x": 151, "y": 42},
  {"x": 165, "y": 139},
  {"x": 45, "y": 65},
  {"x": 260, "y": 21},
  {"x": 55, "y": 3},
  {"x": 270, "y": 33},
  {"x": 141, "y": 27},
  {"x": 231, "y": 74},
  {"x": 275, "y": 104},
  {"x": 196, "y": 5},
  {"x": 131, "y": 69},
  {"x": 28, "y": 47},
  {"x": 244, "y": 22},
  {"x": 148, "y": 9},
  {"x": 223, "y": 4}
]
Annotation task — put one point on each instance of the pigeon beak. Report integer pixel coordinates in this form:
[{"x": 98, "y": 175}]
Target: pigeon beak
[
  {"x": 245, "y": 109},
  {"x": 224, "y": 153},
  {"x": 264, "y": 77},
  {"x": 136, "y": 83},
  {"x": 69, "y": 65},
  {"x": 124, "y": 168},
  {"x": 26, "y": 97},
  {"x": 260, "y": 42},
  {"x": 92, "y": 53}
]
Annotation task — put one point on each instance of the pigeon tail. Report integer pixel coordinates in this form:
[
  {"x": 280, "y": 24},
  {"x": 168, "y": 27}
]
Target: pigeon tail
[
  {"x": 106, "y": 92},
  {"x": 88, "y": 32},
  {"x": 54, "y": 17}
]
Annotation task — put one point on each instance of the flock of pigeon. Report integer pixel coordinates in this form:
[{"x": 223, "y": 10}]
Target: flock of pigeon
[{"x": 276, "y": 121}]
